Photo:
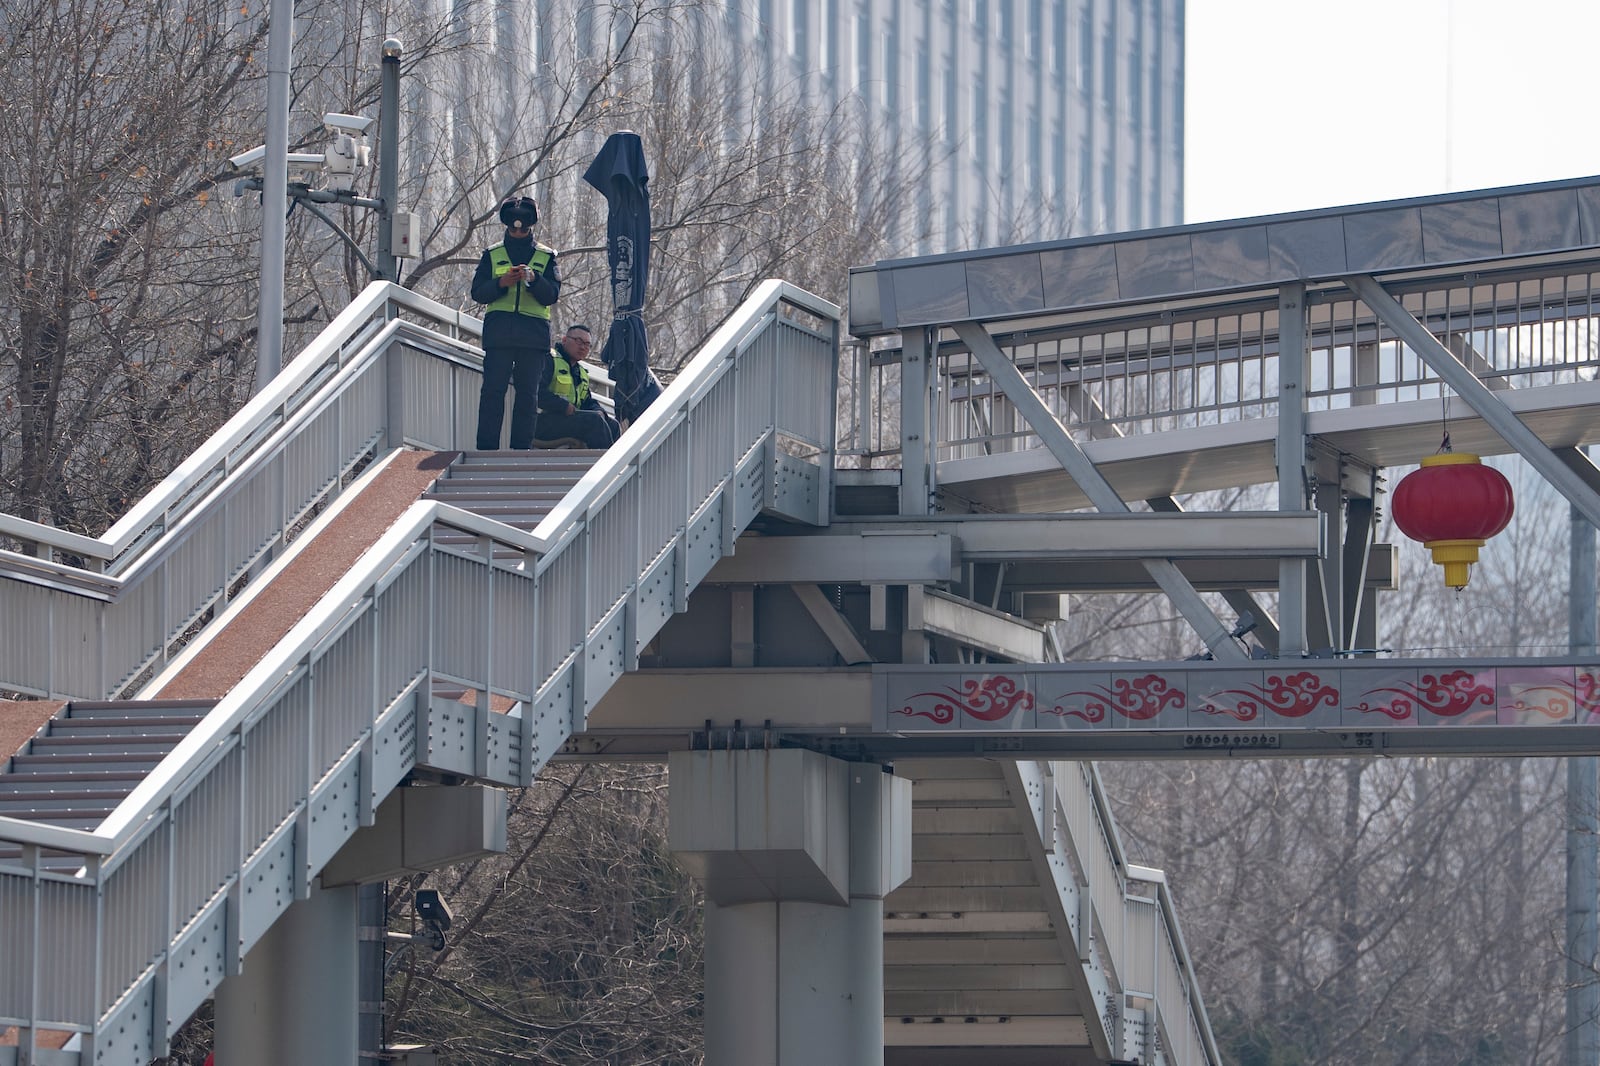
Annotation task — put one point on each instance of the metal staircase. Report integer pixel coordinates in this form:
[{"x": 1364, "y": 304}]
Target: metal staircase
[
  {"x": 1023, "y": 926},
  {"x": 170, "y": 890},
  {"x": 516, "y": 488},
  {"x": 85, "y": 761}
]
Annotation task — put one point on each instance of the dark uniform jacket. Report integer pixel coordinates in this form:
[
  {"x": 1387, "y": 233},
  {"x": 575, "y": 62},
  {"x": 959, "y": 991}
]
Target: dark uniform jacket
[{"x": 505, "y": 329}]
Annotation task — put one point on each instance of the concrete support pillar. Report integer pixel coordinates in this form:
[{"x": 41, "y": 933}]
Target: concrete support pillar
[
  {"x": 796, "y": 852},
  {"x": 790, "y": 983},
  {"x": 296, "y": 998}
]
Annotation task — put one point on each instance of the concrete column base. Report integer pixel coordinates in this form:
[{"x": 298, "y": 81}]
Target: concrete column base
[
  {"x": 796, "y": 851},
  {"x": 296, "y": 998}
]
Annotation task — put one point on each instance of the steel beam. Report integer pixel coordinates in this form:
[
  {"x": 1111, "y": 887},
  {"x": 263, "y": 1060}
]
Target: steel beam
[
  {"x": 980, "y": 627},
  {"x": 1477, "y": 396},
  {"x": 840, "y": 633},
  {"x": 1082, "y": 470},
  {"x": 917, "y": 466},
  {"x": 1291, "y": 457},
  {"x": 1208, "y": 575},
  {"x": 885, "y": 556},
  {"x": 931, "y": 551}
]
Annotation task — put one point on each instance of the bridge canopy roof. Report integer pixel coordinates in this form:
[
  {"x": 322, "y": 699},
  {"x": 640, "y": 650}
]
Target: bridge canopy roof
[{"x": 1037, "y": 285}]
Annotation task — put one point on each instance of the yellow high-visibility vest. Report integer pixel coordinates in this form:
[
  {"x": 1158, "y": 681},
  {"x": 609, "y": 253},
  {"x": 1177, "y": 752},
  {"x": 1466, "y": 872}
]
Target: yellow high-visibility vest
[{"x": 517, "y": 299}]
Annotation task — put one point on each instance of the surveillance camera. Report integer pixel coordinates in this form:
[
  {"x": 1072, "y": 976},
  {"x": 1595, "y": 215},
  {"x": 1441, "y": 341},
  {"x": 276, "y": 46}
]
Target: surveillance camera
[
  {"x": 247, "y": 159},
  {"x": 356, "y": 124},
  {"x": 431, "y": 908}
]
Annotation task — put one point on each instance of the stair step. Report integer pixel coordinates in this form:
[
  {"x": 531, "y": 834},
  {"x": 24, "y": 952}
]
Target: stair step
[
  {"x": 118, "y": 708},
  {"x": 522, "y": 464},
  {"x": 51, "y": 812},
  {"x": 118, "y": 727},
  {"x": 82, "y": 762},
  {"x": 49, "y": 776},
  {"x": 511, "y": 505},
  {"x": 499, "y": 488},
  {"x": 131, "y": 744},
  {"x": 45, "y": 795}
]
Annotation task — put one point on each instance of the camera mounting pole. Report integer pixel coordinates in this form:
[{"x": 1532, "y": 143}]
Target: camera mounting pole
[
  {"x": 274, "y": 226},
  {"x": 388, "y": 158}
]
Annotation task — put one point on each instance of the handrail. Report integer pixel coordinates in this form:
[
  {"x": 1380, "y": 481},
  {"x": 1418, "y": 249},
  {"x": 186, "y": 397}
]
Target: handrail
[
  {"x": 1150, "y": 369},
  {"x": 1106, "y": 823},
  {"x": 720, "y": 348},
  {"x": 119, "y": 827},
  {"x": 219, "y": 452},
  {"x": 273, "y": 404},
  {"x": 243, "y": 492}
]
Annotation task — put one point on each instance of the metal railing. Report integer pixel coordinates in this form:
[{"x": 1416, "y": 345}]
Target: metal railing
[
  {"x": 1135, "y": 372},
  {"x": 88, "y": 617},
  {"x": 328, "y": 720},
  {"x": 1135, "y": 919}
]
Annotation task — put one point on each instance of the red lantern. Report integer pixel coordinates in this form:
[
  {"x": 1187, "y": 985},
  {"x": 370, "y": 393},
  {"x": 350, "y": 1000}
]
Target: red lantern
[{"x": 1452, "y": 505}]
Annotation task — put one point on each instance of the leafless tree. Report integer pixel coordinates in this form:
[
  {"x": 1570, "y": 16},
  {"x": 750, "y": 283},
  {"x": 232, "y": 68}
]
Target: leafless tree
[
  {"x": 580, "y": 945},
  {"x": 1350, "y": 911}
]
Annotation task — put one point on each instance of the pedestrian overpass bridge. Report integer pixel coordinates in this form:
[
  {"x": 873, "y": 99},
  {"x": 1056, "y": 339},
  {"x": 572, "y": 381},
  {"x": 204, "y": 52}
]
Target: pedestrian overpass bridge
[{"x": 817, "y": 579}]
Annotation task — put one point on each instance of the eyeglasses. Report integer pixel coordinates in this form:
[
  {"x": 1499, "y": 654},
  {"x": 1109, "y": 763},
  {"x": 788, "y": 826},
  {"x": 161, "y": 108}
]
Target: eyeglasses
[{"x": 579, "y": 341}]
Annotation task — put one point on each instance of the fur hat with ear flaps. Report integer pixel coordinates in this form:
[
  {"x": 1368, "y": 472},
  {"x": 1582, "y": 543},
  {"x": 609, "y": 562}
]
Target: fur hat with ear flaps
[{"x": 521, "y": 208}]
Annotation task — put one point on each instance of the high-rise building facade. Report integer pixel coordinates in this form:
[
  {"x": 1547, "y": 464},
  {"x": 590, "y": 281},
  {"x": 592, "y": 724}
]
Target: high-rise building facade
[{"x": 1035, "y": 119}]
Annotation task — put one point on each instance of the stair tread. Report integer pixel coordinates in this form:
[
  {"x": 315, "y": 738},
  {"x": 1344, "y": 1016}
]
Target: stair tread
[
  {"x": 60, "y": 763},
  {"x": 85, "y": 725},
  {"x": 103, "y": 777},
  {"x": 82, "y": 707},
  {"x": 140, "y": 741}
]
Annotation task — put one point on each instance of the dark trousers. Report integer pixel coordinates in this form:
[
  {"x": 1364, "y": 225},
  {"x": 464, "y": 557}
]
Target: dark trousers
[
  {"x": 593, "y": 427},
  {"x": 520, "y": 368}
]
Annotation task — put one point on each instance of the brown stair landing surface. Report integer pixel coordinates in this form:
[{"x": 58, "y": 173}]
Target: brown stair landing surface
[
  {"x": 20, "y": 720},
  {"x": 264, "y": 621}
]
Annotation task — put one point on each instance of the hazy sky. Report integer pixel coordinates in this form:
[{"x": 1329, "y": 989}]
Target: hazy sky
[{"x": 1297, "y": 104}]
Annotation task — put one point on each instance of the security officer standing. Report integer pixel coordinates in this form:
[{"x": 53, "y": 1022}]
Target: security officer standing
[
  {"x": 518, "y": 281},
  {"x": 566, "y": 407}
]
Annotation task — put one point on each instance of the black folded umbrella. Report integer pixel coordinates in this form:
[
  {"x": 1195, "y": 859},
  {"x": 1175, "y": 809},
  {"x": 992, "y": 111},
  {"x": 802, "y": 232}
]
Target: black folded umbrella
[{"x": 619, "y": 172}]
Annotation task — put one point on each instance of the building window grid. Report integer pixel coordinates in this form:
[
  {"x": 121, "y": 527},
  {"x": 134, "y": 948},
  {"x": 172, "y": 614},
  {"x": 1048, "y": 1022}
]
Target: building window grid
[
  {"x": 799, "y": 30},
  {"x": 948, "y": 111},
  {"x": 1007, "y": 138},
  {"x": 924, "y": 87},
  {"x": 863, "y": 53},
  {"x": 1058, "y": 36},
  {"x": 825, "y": 56},
  {"x": 1032, "y": 176},
  {"x": 889, "y": 43},
  {"x": 1108, "y": 65},
  {"x": 980, "y": 123},
  {"x": 1085, "y": 71}
]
